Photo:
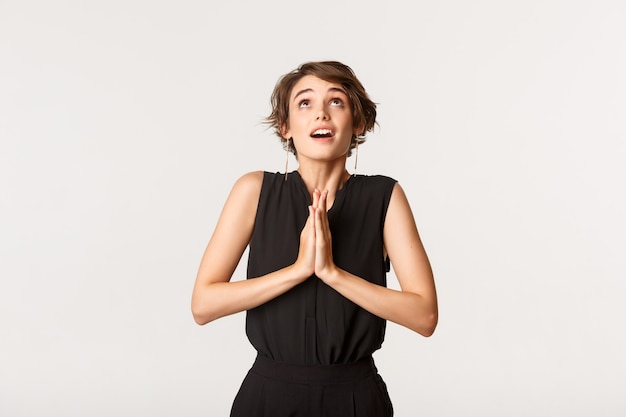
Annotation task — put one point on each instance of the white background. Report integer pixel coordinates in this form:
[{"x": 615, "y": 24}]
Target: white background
[{"x": 123, "y": 125}]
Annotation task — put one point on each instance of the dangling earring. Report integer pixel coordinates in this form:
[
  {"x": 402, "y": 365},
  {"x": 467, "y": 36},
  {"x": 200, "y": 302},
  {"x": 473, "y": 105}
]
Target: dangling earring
[
  {"x": 356, "y": 154},
  {"x": 287, "y": 158}
]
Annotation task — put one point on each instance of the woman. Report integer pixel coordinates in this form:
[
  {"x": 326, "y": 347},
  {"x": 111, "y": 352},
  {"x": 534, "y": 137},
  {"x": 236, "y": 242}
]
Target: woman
[{"x": 321, "y": 240}]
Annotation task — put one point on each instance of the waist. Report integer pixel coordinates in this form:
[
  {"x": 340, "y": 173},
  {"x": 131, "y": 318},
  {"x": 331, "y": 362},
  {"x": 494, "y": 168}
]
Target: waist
[{"x": 293, "y": 373}]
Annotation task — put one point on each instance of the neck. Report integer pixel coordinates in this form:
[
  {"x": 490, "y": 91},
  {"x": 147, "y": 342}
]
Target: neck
[{"x": 324, "y": 176}]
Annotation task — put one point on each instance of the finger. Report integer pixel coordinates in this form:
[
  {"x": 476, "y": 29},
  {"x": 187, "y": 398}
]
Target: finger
[
  {"x": 310, "y": 221},
  {"x": 323, "y": 245},
  {"x": 323, "y": 207},
  {"x": 322, "y": 203},
  {"x": 318, "y": 218},
  {"x": 320, "y": 236},
  {"x": 322, "y": 229},
  {"x": 316, "y": 198}
]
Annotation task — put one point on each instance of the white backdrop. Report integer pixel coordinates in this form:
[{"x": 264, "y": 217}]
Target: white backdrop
[{"x": 123, "y": 125}]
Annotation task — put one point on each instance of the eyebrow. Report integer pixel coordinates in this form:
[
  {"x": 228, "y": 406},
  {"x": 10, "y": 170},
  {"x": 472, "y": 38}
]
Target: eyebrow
[{"x": 308, "y": 90}]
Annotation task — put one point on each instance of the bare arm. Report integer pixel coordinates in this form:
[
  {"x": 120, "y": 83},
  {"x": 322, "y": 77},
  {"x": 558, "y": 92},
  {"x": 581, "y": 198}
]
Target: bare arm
[
  {"x": 415, "y": 305},
  {"x": 214, "y": 296}
]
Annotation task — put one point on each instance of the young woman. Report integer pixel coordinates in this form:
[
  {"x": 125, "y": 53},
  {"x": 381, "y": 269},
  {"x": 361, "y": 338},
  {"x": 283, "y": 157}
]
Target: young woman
[{"x": 321, "y": 241}]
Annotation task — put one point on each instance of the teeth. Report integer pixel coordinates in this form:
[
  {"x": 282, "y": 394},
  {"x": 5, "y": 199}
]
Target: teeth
[{"x": 322, "y": 132}]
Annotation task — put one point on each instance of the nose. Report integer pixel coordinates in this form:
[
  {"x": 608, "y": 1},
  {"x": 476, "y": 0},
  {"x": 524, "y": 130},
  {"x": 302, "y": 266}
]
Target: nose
[{"x": 321, "y": 114}]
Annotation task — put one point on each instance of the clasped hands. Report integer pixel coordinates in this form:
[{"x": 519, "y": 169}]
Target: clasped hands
[{"x": 315, "y": 255}]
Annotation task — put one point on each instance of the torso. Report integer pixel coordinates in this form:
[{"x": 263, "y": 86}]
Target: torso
[{"x": 312, "y": 323}]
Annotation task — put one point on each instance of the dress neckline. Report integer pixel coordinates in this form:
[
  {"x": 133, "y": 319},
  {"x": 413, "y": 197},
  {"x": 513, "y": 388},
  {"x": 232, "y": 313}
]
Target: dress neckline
[{"x": 339, "y": 195}]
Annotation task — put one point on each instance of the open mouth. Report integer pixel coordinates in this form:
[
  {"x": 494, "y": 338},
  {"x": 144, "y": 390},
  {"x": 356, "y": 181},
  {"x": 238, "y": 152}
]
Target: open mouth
[{"x": 322, "y": 133}]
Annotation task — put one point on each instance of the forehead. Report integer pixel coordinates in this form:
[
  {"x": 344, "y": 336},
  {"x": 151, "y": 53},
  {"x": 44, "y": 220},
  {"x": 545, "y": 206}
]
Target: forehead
[{"x": 311, "y": 83}]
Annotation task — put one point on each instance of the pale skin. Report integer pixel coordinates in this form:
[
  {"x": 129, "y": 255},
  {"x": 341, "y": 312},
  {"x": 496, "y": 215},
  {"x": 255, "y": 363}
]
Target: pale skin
[{"x": 316, "y": 104}]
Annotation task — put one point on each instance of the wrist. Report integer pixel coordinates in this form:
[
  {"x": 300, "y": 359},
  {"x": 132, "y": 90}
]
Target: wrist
[
  {"x": 298, "y": 274},
  {"x": 330, "y": 276}
]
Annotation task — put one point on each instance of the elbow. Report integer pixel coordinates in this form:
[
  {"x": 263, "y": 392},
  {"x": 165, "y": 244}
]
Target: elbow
[
  {"x": 205, "y": 309},
  {"x": 200, "y": 315},
  {"x": 427, "y": 325},
  {"x": 200, "y": 320}
]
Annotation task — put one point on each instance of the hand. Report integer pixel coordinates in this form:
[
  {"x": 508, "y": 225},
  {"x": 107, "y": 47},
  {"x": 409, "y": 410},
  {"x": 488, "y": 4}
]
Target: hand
[
  {"x": 315, "y": 254},
  {"x": 324, "y": 262},
  {"x": 305, "y": 263}
]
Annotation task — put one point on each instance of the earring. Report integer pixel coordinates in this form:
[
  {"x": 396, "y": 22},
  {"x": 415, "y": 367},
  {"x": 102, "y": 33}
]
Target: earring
[
  {"x": 287, "y": 158},
  {"x": 356, "y": 154}
]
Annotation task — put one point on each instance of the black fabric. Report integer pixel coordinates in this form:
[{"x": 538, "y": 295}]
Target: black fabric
[
  {"x": 273, "y": 389},
  {"x": 314, "y": 345},
  {"x": 312, "y": 324}
]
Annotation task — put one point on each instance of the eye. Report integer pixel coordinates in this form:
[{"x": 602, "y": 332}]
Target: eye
[
  {"x": 337, "y": 102},
  {"x": 304, "y": 103}
]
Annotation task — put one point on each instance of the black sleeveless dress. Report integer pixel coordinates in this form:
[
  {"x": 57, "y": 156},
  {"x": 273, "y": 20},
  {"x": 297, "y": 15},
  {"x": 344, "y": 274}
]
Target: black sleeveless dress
[{"x": 312, "y": 328}]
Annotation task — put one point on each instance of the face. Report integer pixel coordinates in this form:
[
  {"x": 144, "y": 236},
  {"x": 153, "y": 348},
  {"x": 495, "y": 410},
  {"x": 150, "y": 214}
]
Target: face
[{"x": 320, "y": 119}]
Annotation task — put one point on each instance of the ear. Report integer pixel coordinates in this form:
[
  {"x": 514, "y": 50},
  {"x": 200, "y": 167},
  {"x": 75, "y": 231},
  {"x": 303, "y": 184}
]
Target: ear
[
  {"x": 285, "y": 132},
  {"x": 359, "y": 130}
]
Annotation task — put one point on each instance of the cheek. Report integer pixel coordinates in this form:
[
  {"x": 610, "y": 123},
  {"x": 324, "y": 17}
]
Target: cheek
[
  {"x": 349, "y": 143},
  {"x": 298, "y": 124}
]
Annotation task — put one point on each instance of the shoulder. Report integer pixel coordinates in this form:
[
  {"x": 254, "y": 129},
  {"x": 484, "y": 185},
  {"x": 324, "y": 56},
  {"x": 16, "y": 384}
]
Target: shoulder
[
  {"x": 376, "y": 185},
  {"x": 250, "y": 180},
  {"x": 257, "y": 178},
  {"x": 376, "y": 180},
  {"x": 247, "y": 186}
]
